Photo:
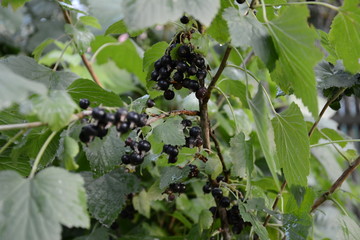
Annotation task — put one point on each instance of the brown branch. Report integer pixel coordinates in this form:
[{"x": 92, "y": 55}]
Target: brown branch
[
  {"x": 217, "y": 75},
  {"x": 221, "y": 157},
  {"x": 336, "y": 184},
  {"x": 156, "y": 117}
]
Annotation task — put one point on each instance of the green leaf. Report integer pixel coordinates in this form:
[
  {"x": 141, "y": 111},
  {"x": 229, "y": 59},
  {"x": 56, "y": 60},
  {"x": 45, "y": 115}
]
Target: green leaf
[
  {"x": 39, "y": 49},
  {"x": 107, "y": 194},
  {"x": 15, "y": 88},
  {"x": 292, "y": 145},
  {"x": 142, "y": 204},
  {"x": 325, "y": 43},
  {"x": 246, "y": 30},
  {"x": 81, "y": 36},
  {"x": 70, "y": 150},
  {"x": 205, "y": 219},
  {"x": 201, "y": 41},
  {"x": 213, "y": 167},
  {"x": 218, "y": 28},
  {"x": 265, "y": 132},
  {"x": 90, "y": 21},
  {"x": 142, "y": 13},
  {"x": 105, "y": 154},
  {"x": 30, "y": 69},
  {"x": 172, "y": 174},
  {"x": 248, "y": 216},
  {"x": 14, "y": 3},
  {"x": 179, "y": 216},
  {"x": 242, "y": 156},
  {"x": 170, "y": 132},
  {"x": 155, "y": 52},
  {"x": 351, "y": 229},
  {"x": 326, "y": 133},
  {"x": 100, "y": 233},
  {"x": 295, "y": 44},
  {"x": 118, "y": 27},
  {"x": 329, "y": 76},
  {"x": 35, "y": 208},
  {"x": 345, "y": 35},
  {"x": 85, "y": 88},
  {"x": 48, "y": 109},
  {"x": 118, "y": 52}
]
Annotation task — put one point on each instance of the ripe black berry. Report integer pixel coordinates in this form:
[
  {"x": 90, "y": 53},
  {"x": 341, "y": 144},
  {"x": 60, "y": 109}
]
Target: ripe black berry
[
  {"x": 201, "y": 92},
  {"x": 102, "y": 132},
  {"x": 150, "y": 103},
  {"x": 87, "y": 133},
  {"x": 142, "y": 120},
  {"x": 110, "y": 118},
  {"x": 182, "y": 188},
  {"x": 125, "y": 159},
  {"x": 120, "y": 115},
  {"x": 177, "y": 86},
  {"x": 193, "y": 85},
  {"x": 157, "y": 64},
  {"x": 224, "y": 202},
  {"x": 181, "y": 67},
  {"x": 123, "y": 127},
  {"x": 175, "y": 187},
  {"x": 144, "y": 146},
  {"x": 165, "y": 60},
  {"x": 171, "y": 197},
  {"x": 154, "y": 75},
  {"x": 213, "y": 210},
  {"x": 163, "y": 84},
  {"x": 186, "y": 82},
  {"x": 166, "y": 148},
  {"x": 192, "y": 70},
  {"x": 136, "y": 159},
  {"x": 183, "y": 51},
  {"x": 194, "y": 171},
  {"x": 217, "y": 193},
  {"x": 199, "y": 62},
  {"x": 195, "y": 131},
  {"x": 133, "y": 117},
  {"x": 207, "y": 188},
  {"x": 164, "y": 73},
  {"x": 84, "y": 103},
  {"x": 240, "y": 1},
  {"x": 190, "y": 142},
  {"x": 172, "y": 151},
  {"x": 98, "y": 113},
  {"x": 201, "y": 74},
  {"x": 178, "y": 77},
  {"x": 169, "y": 94},
  {"x": 198, "y": 142},
  {"x": 220, "y": 178},
  {"x": 184, "y": 20},
  {"x": 172, "y": 159},
  {"x": 186, "y": 123}
]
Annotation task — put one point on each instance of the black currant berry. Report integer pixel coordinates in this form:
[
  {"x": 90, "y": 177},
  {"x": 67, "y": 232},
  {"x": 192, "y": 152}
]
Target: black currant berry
[
  {"x": 207, "y": 188},
  {"x": 217, "y": 193},
  {"x": 169, "y": 94},
  {"x": 166, "y": 148},
  {"x": 172, "y": 151},
  {"x": 125, "y": 159},
  {"x": 181, "y": 67},
  {"x": 164, "y": 73},
  {"x": 165, "y": 60},
  {"x": 144, "y": 146},
  {"x": 150, "y": 103},
  {"x": 195, "y": 131},
  {"x": 157, "y": 64},
  {"x": 142, "y": 120},
  {"x": 220, "y": 178},
  {"x": 190, "y": 142},
  {"x": 194, "y": 171},
  {"x": 172, "y": 159},
  {"x": 120, "y": 115},
  {"x": 186, "y": 123},
  {"x": 201, "y": 74},
  {"x": 174, "y": 187},
  {"x": 177, "y": 86},
  {"x": 182, "y": 188},
  {"x": 90, "y": 130},
  {"x": 84, "y": 103},
  {"x": 192, "y": 70},
  {"x": 133, "y": 117},
  {"x": 163, "y": 84},
  {"x": 178, "y": 77},
  {"x": 199, "y": 62},
  {"x": 237, "y": 228},
  {"x": 184, "y": 20},
  {"x": 224, "y": 202},
  {"x": 154, "y": 75},
  {"x": 198, "y": 142},
  {"x": 98, "y": 113},
  {"x": 123, "y": 127},
  {"x": 129, "y": 142},
  {"x": 186, "y": 82},
  {"x": 193, "y": 85},
  {"x": 213, "y": 210},
  {"x": 110, "y": 118},
  {"x": 201, "y": 92},
  {"x": 183, "y": 51},
  {"x": 171, "y": 197},
  {"x": 136, "y": 159},
  {"x": 102, "y": 132},
  {"x": 240, "y": 1}
]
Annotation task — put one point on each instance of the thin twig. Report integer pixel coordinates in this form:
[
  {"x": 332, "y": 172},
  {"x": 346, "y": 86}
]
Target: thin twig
[
  {"x": 221, "y": 157},
  {"x": 336, "y": 184},
  {"x": 11, "y": 140},
  {"x": 267, "y": 219}
]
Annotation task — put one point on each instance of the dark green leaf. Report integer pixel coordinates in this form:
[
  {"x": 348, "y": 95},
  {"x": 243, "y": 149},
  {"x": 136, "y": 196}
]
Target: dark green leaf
[
  {"x": 107, "y": 194},
  {"x": 172, "y": 174},
  {"x": 242, "y": 156},
  {"x": 218, "y": 28},
  {"x": 105, "y": 154},
  {"x": 295, "y": 43},
  {"x": 35, "y": 208},
  {"x": 249, "y": 216},
  {"x": 170, "y": 132},
  {"x": 84, "y": 88},
  {"x": 155, "y": 52},
  {"x": 292, "y": 145},
  {"x": 101, "y": 233}
]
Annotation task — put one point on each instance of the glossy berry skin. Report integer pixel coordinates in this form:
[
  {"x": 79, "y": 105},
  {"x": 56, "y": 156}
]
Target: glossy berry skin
[
  {"x": 144, "y": 146},
  {"x": 158, "y": 64},
  {"x": 166, "y": 148},
  {"x": 192, "y": 70},
  {"x": 186, "y": 123},
  {"x": 207, "y": 188},
  {"x": 164, "y": 73},
  {"x": 193, "y": 85},
  {"x": 199, "y": 62},
  {"x": 201, "y": 74},
  {"x": 184, "y": 20},
  {"x": 150, "y": 103},
  {"x": 224, "y": 202},
  {"x": 177, "y": 86},
  {"x": 190, "y": 142},
  {"x": 163, "y": 84},
  {"x": 220, "y": 178},
  {"x": 98, "y": 113},
  {"x": 120, "y": 115},
  {"x": 102, "y": 133},
  {"x": 217, "y": 193},
  {"x": 186, "y": 82},
  {"x": 136, "y": 159},
  {"x": 198, "y": 142},
  {"x": 181, "y": 67},
  {"x": 195, "y": 131},
  {"x": 123, "y": 127},
  {"x": 125, "y": 159},
  {"x": 213, "y": 210},
  {"x": 154, "y": 75},
  {"x": 240, "y": 1},
  {"x": 178, "y": 77},
  {"x": 184, "y": 51},
  {"x": 142, "y": 120},
  {"x": 201, "y": 93},
  {"x": 172, "y": 151},
  {"x": 84, "y": 103},
  {"x": 133, "y": 117},
  {"x": 171, "y": 197},
  {"x": 172, "y": 159},
  {"x": 165, "y": 60},
  {"x": 175, "y": 187},
  {"x": 182, "y": 188},
  {"x": 169, "y": 94}
]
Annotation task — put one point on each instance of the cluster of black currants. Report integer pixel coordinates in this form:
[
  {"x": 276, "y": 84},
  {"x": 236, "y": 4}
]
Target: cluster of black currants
[
  {"x": 121, "y": 119},
  {"x": 188, "y": 71},
  {"x": 175, "y": 188},
  {"x": 194, "y": 171},
  {"x": 332, "y": 91},
  {"x": 138, "y": 150},
  {"x": 194, "y": 139},
  {"x": 172, "y": 151},
  {"x": 234, "y": 218}
]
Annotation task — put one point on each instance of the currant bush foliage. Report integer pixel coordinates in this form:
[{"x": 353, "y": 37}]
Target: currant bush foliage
[{"x": 174, "y": 119}]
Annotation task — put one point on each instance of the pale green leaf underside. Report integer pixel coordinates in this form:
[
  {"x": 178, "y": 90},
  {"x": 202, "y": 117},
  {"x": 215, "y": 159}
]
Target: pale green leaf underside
[
  {"x": 170, "y": 132},
  {"x": 292, "y": 145},
  {"x": 33, "y": 209}
]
